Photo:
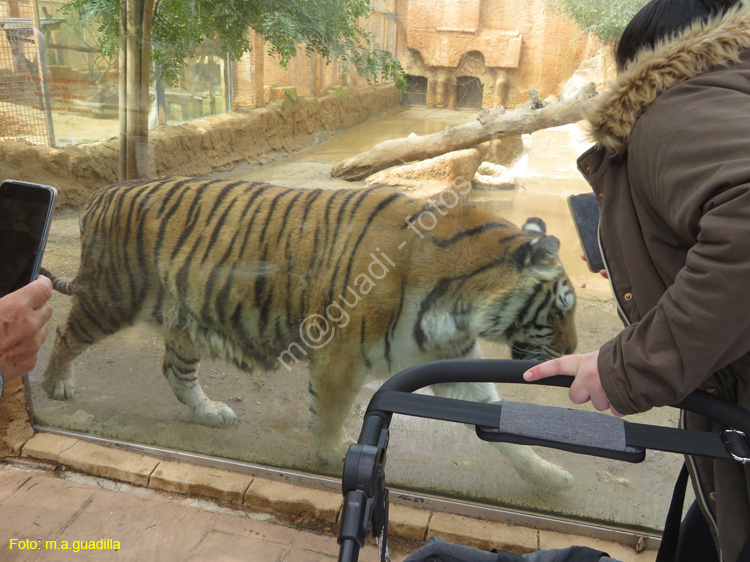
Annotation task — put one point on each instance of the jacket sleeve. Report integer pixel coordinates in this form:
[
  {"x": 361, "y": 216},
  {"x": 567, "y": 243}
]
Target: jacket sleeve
[{"x": 689, "y": 164}]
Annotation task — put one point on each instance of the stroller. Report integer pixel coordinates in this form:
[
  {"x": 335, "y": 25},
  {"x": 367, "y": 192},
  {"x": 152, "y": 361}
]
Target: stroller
[{"x": 365, "y": 508}]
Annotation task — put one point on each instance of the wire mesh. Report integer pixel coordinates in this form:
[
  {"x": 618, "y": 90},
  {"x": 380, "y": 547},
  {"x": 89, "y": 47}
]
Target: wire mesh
[
  {"x": 469, "y": 92},
  {"x": 24, "y": 111}
]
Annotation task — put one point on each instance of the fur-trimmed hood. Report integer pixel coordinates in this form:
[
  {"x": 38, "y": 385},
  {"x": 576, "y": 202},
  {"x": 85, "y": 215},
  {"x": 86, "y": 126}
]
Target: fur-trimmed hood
[{"x": 694, "y": 51}]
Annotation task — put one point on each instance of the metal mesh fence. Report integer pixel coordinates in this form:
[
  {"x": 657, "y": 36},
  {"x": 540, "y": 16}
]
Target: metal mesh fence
[
  {"x": 469, "y": 92},
  {"x": 24, "y": 111},
  {"x": 416, "y": 91}
]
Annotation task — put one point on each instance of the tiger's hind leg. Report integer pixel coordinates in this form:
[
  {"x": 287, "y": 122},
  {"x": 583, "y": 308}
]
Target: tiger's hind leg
[
  {"x": 180, "y": 368},
  {"x": 530, "y": 466},
  {"x": 79, "y": 332}
]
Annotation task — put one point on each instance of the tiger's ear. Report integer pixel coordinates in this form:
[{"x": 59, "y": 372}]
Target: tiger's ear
[
  {"x": 539, "y": 257},
  {"x": 535, "y": 225}
]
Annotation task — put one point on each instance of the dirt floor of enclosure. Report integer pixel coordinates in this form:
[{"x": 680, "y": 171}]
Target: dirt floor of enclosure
[{"x": 121, "y": 394}]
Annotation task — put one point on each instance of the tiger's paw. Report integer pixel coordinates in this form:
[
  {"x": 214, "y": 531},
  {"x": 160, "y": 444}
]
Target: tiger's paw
[
  {"x": 536, "y": 470},
  {"x": 548, "y": 476},
  {"x": 215, "y": 414},
  {"x": 334, "y": 454},
  {"x": 59, "y": 389}
]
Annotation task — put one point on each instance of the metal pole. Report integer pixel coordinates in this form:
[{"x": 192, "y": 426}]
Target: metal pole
[{"x": 42, "y": 44}]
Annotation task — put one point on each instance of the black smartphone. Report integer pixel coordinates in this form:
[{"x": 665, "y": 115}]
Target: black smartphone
[
  {"x": 585, "y": 211},
  {"x": 25, "y": 217}
]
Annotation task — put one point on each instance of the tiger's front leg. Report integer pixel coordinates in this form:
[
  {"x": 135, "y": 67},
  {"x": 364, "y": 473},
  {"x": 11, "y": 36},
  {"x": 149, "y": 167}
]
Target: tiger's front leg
[
  {"x": 332, "y": 392},
  {"x": 180, "y": 366},
  {"x": 529, "y": 466}
]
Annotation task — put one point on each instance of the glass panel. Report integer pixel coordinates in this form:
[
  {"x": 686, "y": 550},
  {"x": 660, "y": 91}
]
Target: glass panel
[{"x": 120, "y": 392}]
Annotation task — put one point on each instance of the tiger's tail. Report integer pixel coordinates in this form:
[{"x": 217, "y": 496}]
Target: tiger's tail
[{"x": 64, "y": 287}]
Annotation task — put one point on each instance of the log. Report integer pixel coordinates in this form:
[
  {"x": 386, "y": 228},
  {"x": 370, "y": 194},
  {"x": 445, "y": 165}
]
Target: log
[{"x": 489, "y": 125}]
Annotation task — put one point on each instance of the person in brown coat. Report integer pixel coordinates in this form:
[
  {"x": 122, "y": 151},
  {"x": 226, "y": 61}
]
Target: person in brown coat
[{"x": 671, "y": 168}]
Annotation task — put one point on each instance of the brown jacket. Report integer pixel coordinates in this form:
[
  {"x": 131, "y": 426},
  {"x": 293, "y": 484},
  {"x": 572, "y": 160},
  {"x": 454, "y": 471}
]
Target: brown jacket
[{"x": 672, "y": 171}]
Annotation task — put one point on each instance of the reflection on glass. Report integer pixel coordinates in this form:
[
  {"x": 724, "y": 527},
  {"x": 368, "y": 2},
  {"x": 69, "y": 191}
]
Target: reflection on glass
[
  {"x": 120, "y": 394},
  {"x": 201, "y": 89},
  {"x": 82, "y": 80}
]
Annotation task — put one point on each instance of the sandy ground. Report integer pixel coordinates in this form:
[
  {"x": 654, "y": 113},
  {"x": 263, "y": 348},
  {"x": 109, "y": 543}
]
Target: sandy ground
[{"x": 121, "y": 394}]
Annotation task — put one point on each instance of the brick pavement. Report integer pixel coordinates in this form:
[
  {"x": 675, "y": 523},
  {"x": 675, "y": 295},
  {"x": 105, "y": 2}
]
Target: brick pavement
[
  {"x": 48, "y": 516},
  {"x": 66, "y": 489}
]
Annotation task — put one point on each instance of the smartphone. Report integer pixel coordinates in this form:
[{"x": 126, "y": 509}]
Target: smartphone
[
  {"x": 25, "y": 217},
  {"x": 585, "y": 211}
]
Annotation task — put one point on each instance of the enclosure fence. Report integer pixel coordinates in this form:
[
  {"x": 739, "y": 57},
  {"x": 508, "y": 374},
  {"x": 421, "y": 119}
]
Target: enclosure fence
[{"x": 24, "y": 111}]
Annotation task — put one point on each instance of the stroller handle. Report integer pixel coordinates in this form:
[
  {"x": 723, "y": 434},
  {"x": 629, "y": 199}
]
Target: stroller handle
[
  {"x": 409, "y": 380},
  {"x": 363, "y": 481}
]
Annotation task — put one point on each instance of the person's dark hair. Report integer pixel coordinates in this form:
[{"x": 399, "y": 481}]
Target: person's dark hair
[{"x": 660, "y": 19}]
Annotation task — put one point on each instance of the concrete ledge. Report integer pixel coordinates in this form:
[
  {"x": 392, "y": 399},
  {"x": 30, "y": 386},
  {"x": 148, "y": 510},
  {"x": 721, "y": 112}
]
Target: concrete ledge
[
  {"x": 484, "y": 535},
  {"x": 91, "y": 458},
  {"x": 288, "y": 499},
  {"x": 189, "y": 479},
  {"x": 634, "y": 552},
  {"x": 408, "y": 522},
  {"x": 109, "y": 462},
  {"x": 47, "y": 446}
]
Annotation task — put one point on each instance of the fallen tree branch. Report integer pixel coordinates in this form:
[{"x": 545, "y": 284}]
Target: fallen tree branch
[{"x": 489, "y": 125}]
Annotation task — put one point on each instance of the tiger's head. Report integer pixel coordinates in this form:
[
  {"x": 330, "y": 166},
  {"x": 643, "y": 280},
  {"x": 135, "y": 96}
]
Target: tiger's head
[{"x": 536, "y": 317}]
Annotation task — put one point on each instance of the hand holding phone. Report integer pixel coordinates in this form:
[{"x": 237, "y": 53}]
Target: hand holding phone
[
  {"x": 585, "y": 211},
  {"x": 25, "y": 217},
  {"x": 24, "y": 313}
]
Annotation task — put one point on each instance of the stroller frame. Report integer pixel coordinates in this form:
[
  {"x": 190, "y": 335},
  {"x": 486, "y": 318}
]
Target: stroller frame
[{"x": 365, "y": 507}]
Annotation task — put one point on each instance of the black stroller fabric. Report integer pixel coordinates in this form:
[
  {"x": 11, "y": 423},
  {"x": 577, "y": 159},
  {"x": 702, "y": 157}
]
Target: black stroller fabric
[
  {"x": 438, "y": 550},
  {"x": 579, "y": 431}
]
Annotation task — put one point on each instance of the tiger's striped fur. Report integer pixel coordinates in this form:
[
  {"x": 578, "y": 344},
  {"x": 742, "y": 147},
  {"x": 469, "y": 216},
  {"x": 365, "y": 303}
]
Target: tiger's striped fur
[{"x": 354, "y": 281}]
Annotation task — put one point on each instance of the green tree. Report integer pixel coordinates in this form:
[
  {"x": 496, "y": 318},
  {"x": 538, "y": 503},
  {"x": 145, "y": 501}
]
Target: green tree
[
  {"x": 168, "y": 31},
  {"x": 604, "y": 19}
]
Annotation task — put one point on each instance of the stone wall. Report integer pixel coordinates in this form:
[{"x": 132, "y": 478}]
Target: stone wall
[
  {"x": 201, "y": 146},
  {"x": 510, "y": 46}
]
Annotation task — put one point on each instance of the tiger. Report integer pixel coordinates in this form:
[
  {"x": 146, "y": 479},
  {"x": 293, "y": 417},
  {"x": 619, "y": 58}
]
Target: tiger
[{"x": 354, "y": 282}]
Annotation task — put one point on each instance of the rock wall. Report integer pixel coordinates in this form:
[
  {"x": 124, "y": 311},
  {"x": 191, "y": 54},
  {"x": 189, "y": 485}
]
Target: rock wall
[
  {"x": 510, "y": 47},
  {"x": 201, "y": 146}
]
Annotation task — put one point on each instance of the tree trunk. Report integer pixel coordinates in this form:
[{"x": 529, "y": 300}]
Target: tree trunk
[
  {"x": 122, "y": 64},
  {"x": 135, "y": 74},
  {"x": 489, "y": 125}
]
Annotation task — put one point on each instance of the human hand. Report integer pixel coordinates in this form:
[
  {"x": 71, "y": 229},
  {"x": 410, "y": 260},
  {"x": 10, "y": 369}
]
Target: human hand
[
  {"x": 586, "y": 383},
  {"x": 23, "y": 327}
]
